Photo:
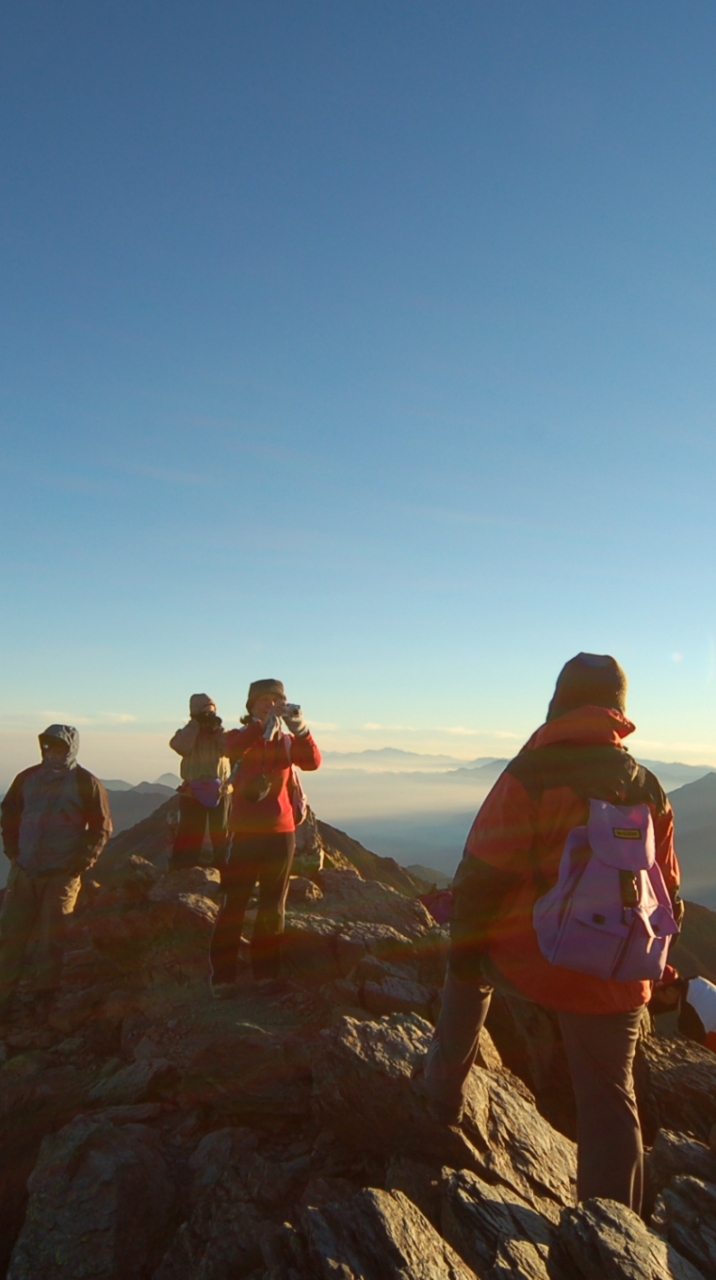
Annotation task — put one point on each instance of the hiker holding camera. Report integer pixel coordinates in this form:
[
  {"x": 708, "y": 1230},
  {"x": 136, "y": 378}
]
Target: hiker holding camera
[
  {"x": 203, "y": 799},
  {"x": 267, "y": 805},
  {"x": 567, "y": 895}
]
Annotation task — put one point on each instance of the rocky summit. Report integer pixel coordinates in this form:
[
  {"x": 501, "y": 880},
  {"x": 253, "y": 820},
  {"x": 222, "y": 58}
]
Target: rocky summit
[{"x": 151, "y": 1131}]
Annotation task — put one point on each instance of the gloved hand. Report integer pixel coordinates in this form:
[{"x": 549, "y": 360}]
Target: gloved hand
[
  {"x": 272, "y": 724},
  {"x": 294, "y": 720}
]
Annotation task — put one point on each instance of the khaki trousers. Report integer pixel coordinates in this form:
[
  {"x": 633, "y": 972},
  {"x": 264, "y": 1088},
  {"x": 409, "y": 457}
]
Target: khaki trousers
[{"x": 36, "y": 905}]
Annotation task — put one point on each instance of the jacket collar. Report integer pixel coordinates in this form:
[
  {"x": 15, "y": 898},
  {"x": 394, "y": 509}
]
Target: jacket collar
[{"x": 586, "y": 725}]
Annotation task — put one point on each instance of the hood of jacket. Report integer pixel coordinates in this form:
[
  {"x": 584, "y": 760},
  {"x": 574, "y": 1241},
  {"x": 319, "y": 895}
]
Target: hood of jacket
[
  {"x": 604, "y": 726},
  {"x": 68, "y": 734}
]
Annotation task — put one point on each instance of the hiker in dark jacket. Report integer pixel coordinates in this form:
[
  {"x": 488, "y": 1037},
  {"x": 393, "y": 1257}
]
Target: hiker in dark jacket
[
  {"x": 203, "y": 799},
  {"x": 55, "y": 822},
  {"x": 263, "y": 830},
  {"x": 511, "y": 858}
]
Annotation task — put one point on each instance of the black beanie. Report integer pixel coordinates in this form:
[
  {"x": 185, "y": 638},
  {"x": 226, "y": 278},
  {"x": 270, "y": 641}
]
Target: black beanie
[
  {"x": 589, "y": 680},
  {"x": 259, "y": 687}
]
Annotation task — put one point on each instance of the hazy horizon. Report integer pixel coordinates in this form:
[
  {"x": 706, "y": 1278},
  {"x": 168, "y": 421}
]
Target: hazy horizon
[{"x": 143, "y": 757}]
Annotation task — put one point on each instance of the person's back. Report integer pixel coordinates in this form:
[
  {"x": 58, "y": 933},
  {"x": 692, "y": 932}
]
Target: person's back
[
  {"x": 519, "y": 835},
  {"x": 512, "y": 858}
]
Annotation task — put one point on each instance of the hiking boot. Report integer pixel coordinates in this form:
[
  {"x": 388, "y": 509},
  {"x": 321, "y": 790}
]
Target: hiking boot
[
  {"x": 444, "y": 1112},
  {"x": 224, "y": 990}
]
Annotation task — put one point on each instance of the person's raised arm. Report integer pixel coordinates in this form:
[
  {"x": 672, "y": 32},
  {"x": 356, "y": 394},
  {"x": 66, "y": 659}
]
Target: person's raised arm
[
  {"x": 184, "y": 739},
  {"x": 238, "y": 741}
]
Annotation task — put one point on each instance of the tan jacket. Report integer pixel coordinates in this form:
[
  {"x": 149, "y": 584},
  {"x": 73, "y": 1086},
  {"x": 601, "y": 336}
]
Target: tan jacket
[{"x": 203, "y": 752}]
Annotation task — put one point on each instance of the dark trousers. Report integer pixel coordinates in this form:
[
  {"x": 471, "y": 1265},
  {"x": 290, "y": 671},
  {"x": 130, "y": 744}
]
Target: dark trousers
[
  {"x": 600, "y": 1051},
  {"x": 193, "y": 818},
  {"x": 268, "y": 859}
]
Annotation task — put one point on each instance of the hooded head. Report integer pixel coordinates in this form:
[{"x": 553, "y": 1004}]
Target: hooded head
[
  {"x": 66, "y": 734},
  {"x": 589, "y": 680},
  {"x": 259, "y": 687},
  {"x": 199, "y": 702}
]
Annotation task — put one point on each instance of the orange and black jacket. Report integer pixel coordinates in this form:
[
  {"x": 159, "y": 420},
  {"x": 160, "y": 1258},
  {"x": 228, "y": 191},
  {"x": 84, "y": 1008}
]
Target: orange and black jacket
[{"x": 514, "y": 848}]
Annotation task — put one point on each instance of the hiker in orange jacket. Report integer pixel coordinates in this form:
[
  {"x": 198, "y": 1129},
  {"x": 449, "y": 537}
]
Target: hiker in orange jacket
[{"x": 511, "y": 858}]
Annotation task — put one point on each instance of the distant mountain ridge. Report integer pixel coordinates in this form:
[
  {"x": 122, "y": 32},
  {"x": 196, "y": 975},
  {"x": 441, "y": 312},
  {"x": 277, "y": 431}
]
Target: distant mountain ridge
[
  {"x": 129, "y": 805},
  {"x": 170, "y": 780},
  {"x": 694, "y": 806},
  {"x": 394, "y": 759}
]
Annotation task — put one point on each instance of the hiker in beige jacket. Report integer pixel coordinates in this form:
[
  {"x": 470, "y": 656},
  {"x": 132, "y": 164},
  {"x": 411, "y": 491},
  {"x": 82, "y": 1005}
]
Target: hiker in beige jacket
[{"x": 203, "y": 798}]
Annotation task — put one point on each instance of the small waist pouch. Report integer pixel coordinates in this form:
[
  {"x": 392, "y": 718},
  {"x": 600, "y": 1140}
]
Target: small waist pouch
[{"x": 207, "y": 791}]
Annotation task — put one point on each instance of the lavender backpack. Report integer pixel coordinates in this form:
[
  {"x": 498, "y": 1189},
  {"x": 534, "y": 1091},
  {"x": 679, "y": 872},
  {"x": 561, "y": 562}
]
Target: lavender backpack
[{"x": 609, "y": 914}]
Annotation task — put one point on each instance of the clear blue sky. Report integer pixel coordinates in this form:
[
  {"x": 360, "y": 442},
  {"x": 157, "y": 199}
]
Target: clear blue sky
[{"x": 371, "y": 346}]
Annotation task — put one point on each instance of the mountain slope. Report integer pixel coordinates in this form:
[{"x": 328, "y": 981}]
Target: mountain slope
[{"x": 694, "y": 808}]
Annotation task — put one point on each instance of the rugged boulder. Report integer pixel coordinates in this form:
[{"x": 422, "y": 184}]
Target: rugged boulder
[
  {"x": 605, "y": 1241},
  {"x": 492, "y": 1227},
  {"x": 361, "y": 1074},
  {"x": 685, "y": 1215},
  {"x": 232, "y": 1190},
  {"x": 100, "y": 1205},
  {"x": 674, "y": 1153},
  {"x": 378, "y": 1235},
  {"x": 676, "y": 1086}
]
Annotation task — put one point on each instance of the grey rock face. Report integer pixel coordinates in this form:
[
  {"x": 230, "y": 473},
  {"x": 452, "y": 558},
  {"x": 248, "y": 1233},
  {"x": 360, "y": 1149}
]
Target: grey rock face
[
  {"x": 490, "y": 1226},
  {"x": 397, "y": 995},
  {"x": 361, "y": 1086},
  {"x": 676, "y": 1086},
  {"x": 347, "y": 897},
  {"x": 145, "y": 1079},
  {"x": 604, "y": 1240},
  {"x": 233, "y": 1190},
  {"x": 100, "y": 1205},
  {"x": 378, "y": 1235},
  {"x": 246, "y": 1072},
  {"x": 419, "y": 1182},
  {"x": 673, "y": 1153},
  {"x": 685, "y": 1215}
]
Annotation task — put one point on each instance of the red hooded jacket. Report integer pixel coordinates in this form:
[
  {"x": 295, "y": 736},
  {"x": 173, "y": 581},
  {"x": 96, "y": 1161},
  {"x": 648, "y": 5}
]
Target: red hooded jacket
[
  {"x": 274, "y": 813},
  {"x": 522, "y": 833}
]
